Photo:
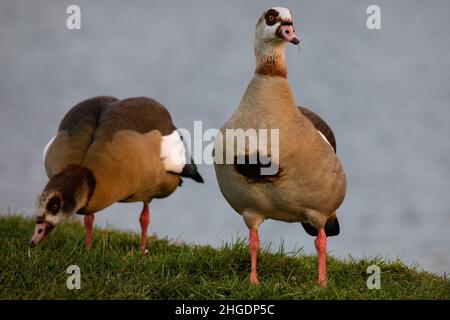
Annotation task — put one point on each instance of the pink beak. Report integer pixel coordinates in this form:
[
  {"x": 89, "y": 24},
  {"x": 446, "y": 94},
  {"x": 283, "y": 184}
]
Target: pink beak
[
  {"x": 287, "y": 33},
  {"x": 40, "y": 233}
]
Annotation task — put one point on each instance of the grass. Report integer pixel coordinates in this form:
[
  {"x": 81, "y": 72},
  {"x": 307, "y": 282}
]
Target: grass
[{"x": 115, "y": 269}]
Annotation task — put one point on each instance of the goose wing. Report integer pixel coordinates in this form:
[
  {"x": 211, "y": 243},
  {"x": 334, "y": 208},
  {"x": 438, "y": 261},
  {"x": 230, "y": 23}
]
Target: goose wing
[{"x": 320, "y": 125}]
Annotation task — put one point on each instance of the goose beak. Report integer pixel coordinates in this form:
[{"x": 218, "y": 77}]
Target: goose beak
[
  {"x": 41, "y": 231},
  {"x": 286, "y": 32}
]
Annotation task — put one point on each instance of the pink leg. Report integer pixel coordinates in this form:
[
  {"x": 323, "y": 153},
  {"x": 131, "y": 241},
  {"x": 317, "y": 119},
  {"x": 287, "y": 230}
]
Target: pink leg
[
  {"x": 88, "y": 224},
  {"x": 321, "y": 246},
  {"x": 254, "y": 246},
  {"x": 144, "y": 219}
]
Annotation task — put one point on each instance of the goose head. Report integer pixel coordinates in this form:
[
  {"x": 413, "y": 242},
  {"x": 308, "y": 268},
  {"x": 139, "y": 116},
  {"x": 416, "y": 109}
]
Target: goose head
[
  {"x": 274, "y": 31},
  {"x": 275, "y": 27},
  {"x": 64, "y": 195},
  {"x": 51, "y": 211}
]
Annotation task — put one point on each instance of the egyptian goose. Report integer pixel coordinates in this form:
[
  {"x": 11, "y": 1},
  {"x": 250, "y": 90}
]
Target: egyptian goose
[
  {"x": 309, "y": 182},
  {"x": 106, "y": 151}
]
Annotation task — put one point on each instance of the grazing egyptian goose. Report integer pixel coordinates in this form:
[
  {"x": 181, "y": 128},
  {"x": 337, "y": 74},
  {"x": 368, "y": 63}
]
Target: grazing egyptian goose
[
  {"x": 106, "y": 151},
  {"x": 309, "y": 183}
]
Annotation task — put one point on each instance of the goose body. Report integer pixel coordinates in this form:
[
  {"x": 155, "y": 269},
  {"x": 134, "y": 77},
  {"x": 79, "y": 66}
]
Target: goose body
[
  {"x": 109, "y": 150},
  {"x": 310, "y": 183}
]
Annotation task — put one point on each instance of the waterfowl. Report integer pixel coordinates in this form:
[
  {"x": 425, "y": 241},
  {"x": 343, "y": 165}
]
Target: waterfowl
[
  {"x": 106, "y": 151},
  {"x": 309, "y": 183}
]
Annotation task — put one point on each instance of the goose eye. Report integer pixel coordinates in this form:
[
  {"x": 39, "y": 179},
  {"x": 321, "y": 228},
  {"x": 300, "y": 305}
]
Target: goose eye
[
  {"x": 54, "y": 205},
  {"x": 271, "y": 17}
]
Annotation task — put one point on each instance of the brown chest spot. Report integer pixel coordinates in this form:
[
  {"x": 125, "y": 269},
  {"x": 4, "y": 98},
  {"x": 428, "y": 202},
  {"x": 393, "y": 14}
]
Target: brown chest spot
[{"x": 252, "y": 168}]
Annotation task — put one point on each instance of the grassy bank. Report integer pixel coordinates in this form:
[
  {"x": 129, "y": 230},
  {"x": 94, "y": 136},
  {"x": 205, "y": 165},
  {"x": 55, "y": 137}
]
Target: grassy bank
[{"x": 116, "y": 270}]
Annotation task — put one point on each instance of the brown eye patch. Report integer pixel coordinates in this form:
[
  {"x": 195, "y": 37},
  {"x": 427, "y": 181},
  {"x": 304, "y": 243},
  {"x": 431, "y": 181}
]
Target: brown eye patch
[
  {"x": 54, "y": 205},
  {"x": 271, "y": 17}
]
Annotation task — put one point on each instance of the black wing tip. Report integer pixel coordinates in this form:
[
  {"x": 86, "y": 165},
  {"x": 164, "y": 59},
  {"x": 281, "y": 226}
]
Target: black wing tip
[
  {"x": 331, "y": 228},
  {"x": 309, "y": 229},
  {"x": 198, "y": 178},
  {"x": 190, "y": 171}
]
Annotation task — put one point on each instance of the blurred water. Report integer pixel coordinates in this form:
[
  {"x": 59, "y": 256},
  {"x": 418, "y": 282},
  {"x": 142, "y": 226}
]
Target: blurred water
[{"x": 385, "y": 93}]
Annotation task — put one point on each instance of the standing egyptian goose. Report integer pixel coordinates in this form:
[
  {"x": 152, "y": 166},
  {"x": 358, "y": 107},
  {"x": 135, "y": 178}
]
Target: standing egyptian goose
[
  {"x": 106, "y": 151},
  {"x": 309, "y": 182}
]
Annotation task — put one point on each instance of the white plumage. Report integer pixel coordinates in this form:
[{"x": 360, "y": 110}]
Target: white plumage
[
  {"x": 46, "y": 149},
  {"x": 173, "y": 153},
  {"x": 325, "y": 138}
]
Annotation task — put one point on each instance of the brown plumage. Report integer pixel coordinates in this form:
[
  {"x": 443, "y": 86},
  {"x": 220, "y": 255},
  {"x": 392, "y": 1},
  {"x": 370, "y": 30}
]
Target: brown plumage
[
  {"x": 106, "y": 151},
  {"x": 119, "y": 141},
  {"x": 312, "y": 182},
  {"x": 332, "y": 225}
]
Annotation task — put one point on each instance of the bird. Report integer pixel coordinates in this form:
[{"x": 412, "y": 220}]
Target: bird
[
  {"x": 108, "y": 150},
  {"x": 307, "y": 182}
]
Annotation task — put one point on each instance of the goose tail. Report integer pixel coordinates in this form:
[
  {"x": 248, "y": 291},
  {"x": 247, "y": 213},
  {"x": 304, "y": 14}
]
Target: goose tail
[
  {"x": 190, "y": 171},
  {"x": 331, "y": 227}
]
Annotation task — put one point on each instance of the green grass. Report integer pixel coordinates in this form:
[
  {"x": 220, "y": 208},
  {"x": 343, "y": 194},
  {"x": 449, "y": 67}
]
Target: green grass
[{"x": 115, "y": 269}]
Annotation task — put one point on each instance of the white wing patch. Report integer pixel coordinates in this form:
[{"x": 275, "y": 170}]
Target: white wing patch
[
  {"x": 46, "y": 148},
  {"x": 173, "y": 154},
  {"x": 324, "y": 138}
]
